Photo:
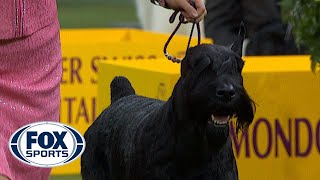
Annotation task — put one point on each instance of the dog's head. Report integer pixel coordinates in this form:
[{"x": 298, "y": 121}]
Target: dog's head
[{"x": 213, "y": 87}]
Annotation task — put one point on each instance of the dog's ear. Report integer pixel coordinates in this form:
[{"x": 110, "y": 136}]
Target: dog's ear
[
  {"x": 237, "y": 45},
  {"x": 195, "y": 62}
]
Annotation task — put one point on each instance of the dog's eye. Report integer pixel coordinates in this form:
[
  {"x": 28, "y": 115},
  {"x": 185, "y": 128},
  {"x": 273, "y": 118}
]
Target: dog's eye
[{"x": 232, "y": 65}]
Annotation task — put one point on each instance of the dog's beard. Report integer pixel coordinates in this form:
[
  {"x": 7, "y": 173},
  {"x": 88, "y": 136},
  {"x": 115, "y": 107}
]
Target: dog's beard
[
  {"x": 217, "y": 128},
  {"x": 216, "y": 135},
  {"x": 244, "y": 111}
]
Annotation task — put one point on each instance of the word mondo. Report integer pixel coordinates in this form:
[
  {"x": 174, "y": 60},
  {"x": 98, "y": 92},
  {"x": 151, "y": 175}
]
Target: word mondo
[
  {"x": 297, "y": 137},
  {"x": 46, "y": 144}
]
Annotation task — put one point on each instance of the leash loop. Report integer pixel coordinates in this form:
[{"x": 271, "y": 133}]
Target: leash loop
[{"x": 181, "y": 21}]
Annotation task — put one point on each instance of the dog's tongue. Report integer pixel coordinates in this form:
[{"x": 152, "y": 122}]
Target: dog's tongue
[{"x": 221, "y": 118}]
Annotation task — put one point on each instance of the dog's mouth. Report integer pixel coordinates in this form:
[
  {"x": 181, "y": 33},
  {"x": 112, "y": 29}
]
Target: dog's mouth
[{"x": 219, "y": 120}]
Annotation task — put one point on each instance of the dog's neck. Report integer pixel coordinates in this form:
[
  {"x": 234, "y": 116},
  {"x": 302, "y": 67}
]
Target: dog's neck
[
  {"x": 185, "y": 116},
  {"x": 187, "y": 134},
  {"x": 178, "y": 102},
  {"x": 182, "y": 109}
]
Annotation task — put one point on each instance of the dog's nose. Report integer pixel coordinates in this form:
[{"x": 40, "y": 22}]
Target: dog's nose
[{"x": 226, "y": 91}]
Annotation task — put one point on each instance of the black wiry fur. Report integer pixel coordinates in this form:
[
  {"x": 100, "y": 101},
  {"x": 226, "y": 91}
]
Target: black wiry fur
[{"x": 138, "y": 138}]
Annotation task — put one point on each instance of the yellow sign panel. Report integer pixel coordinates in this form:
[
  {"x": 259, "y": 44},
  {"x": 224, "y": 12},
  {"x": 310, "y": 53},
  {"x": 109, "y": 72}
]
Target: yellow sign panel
[
  {"x": 82, "y": 50},
  {"x": 283, "y": 141}
]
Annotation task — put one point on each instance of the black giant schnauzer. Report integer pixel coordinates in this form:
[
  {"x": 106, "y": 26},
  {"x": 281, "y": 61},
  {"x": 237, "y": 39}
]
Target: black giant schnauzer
[{"x": 184, "y": 138}]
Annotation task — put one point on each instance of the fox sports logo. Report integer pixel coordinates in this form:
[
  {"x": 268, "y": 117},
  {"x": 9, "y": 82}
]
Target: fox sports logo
[{"x": 46, "y": 144}]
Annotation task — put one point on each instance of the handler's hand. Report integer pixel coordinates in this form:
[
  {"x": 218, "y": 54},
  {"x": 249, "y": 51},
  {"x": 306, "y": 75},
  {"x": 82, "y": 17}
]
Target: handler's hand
[{"x": 188, "y": 11}]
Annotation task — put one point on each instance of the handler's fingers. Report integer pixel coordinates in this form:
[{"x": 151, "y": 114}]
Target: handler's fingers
[
  {"x": 189, "y": 19},
  {"x": 201, "y": 17},
  {"x": 201, "y": 9},
  {"x": 186, "y": 16},
  {"x": 188, "y": 9}
]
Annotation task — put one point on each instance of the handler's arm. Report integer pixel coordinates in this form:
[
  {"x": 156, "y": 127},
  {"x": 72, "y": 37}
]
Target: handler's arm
[{"x": 188, "y": 11}]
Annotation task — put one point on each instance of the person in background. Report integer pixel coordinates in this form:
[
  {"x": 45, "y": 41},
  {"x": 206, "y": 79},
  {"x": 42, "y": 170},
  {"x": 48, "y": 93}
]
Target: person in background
[
  {"x": 31, "y": 71},
  {"x": 266, "y": 33}
]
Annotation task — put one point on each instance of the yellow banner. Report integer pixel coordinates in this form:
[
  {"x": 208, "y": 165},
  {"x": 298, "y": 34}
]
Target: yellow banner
[
  {"x": 283, "y": 141},
  {"x": 82, "y": 50}
]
